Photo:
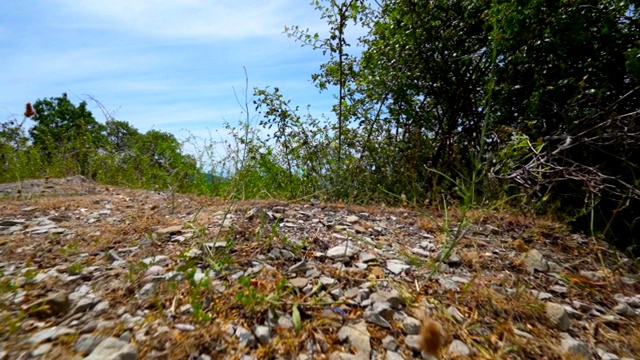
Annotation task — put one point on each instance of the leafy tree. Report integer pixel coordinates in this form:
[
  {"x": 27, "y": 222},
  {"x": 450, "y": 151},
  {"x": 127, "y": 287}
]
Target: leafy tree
[
  {"x": 541, "y": 94},
  {"x": 413, "y": 99},
  {"x": 64, "y": 130},
  {"x": 12, "y": 136},
  {"x": 563, "y": 61},
  {"x": 156, "y": 160},
  {"x": 162, "y": 149},
  {"x": 566, "y": 78},
  {"x": 431, "y": 61},
  {"x": 121, "y": 135},
  {"x": 17, "y": 161},
  {"x": 337, "y": 72}
]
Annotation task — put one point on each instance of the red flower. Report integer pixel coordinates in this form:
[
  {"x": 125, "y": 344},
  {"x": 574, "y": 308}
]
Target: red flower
[{"x": 29, "y": 112}]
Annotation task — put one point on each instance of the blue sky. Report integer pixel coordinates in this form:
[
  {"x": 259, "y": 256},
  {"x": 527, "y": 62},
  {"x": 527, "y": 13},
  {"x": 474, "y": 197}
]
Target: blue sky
[{"x": 163, "y": 64}]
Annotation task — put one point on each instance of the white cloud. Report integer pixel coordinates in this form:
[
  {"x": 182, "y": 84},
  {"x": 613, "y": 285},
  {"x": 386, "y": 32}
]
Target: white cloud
[
  {"x": 167, "y": 65},
  {"x": 190, "y": 19}
]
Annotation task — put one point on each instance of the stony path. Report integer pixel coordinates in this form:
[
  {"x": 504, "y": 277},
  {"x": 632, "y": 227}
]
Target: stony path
[{"x": 94, "y": 272}]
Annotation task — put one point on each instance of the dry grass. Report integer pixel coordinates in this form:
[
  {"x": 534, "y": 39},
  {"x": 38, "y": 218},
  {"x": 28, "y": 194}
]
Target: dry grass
[{"x": 491, "y": 312}]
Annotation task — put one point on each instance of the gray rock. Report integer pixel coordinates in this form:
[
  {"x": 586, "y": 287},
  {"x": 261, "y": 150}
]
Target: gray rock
[
  {"x": 379, "y": 313},
  {"x": 169, "y": 230},
  {"x": 458, "y": 348},
  {"x": 198, "y": 275},
  {"x": 397, "y": 266},
  {"x": 112, "y": 257},
  {"x": 412, "y": 342},
  {"x": 161, "y": 260},
  {"x": 193, "y": 253},
  {"x": 326, "y": 281},
  {"x": 313, "y": 272},
  {"x": 534, "y": 260},
  {"x": 352, "y": 219},
  {"x": 101, "y": 308},
  {"x": 604, "y": 355},
  {"x": 411, "y": 325},
  {"x": 420, "y": 252},
  {"x": 281, "y": 254},
  {"x": 85, "y": 304},
  {"x": 332, "y": 317},
  {"x": 50, "y": 334},
  {"x": 361, "y": 266},
  {"x": 428, "y": 245},
  {"x": 452, "y": 260},
  {"x": 558, "y": 316},
  {"x": 229, "y": 329},
  {"x": 147, "y": 290},
  {"x": 357, "y": 294},
  {"x": 559, "y": 289},
  {"x": 523, "y": 334},
  {"x": 573, "y": 313},
  {"x": 580, "y": 306},
  {"x": 624, "y": 310},
  {"x": 337, "y": 293},
  {"x": 367, "y": 257},
  {"x": 81, "y": 292},
  {"x": 575, "y": 348},
  {"x": 130, "y": 321},
  {"x": 154, "y": 271},
  {"x": 340, "y": 251},
  {"x": 285, "y": 321},
  {"x": 357, "y": 335},
  {"x": 299, "y": 282},
  {"x": 86, "y": 343},
  {"x": 254, "y": 213},
  {"x": 174, "y": 276},
  {"x": 89, "y": 327},
  {"x": 263, "y": 334},
  {"x": 540, "y": 295},
  {"x": 299, "y": 267},
  {"x": 41, "y": 350},
  {"x": 393, "y": 298},
  {"x": 10, "y": 222},
  {"x": 460, "y": 279},
  {"x": 106, "y": 324},
  {"x": 634, "y": 301},
  {"x": 245, "y": 337},
  {"x": 448, "y": 284},
  {"x": 389, "y": 343},
  {"x": 11, "y": 230},
  {"x": 343, "y": 356},
  {"x": 113, "y": 349},
  {"x": 184, "y": 327},
  {"x": 456, "y": 315},
  {"x": 51, "y": 228},
  {"x": 210, "y": 246},
  {"x": 392, "y": 355}
]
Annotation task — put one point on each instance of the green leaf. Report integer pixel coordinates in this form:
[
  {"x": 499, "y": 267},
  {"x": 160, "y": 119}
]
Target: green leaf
[{"x": 295, "y": 318}]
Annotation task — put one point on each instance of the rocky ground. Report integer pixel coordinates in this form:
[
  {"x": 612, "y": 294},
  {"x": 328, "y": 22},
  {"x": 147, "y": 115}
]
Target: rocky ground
[{"x": 89, "y": 271}]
